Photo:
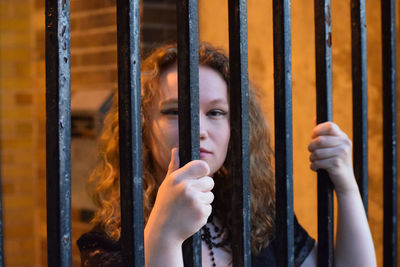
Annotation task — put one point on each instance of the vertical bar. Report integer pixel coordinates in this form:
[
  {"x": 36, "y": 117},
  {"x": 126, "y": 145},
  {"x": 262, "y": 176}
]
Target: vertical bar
[
  {"x": 1, "y": 220},
  {"x": 240, "y": 132},
  {"x": 283, "y": 132},
  {"x": 1, "y": 202},
  {"x": 188, "y": 103},
  {"x": 323, "y": 57},
  {"x": 389, "y": 80},
  {"x": 58, "y": 133},
  {"x": 360, "y": 109},
  {"x": 130, "y": 132},
  {"x": 1, "y": 214},
  {"x": 1, "y": 207},
  {"x": 1, "y": 210}
]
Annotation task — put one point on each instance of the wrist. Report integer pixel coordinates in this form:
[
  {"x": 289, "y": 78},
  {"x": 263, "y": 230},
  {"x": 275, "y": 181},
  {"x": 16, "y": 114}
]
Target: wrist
[
  {"x": 156, "y": 234},
  {"x": 344, "y": 182},
  {"x": 158, "y": 241},
  {"x": 348, "y": 192}
]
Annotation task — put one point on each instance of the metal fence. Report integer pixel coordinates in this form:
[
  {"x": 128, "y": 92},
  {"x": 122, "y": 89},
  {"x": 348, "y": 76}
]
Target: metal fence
[{"x": 128, "y": 24}]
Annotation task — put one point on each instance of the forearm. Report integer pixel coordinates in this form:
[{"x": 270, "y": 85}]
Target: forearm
[
  {"x": 331, "y": 150},
  {"x": 354, "y": 245},
  {"x": 160, "y": 252}
]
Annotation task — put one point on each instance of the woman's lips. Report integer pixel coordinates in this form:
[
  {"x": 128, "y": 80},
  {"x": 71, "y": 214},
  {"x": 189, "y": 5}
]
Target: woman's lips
[{"x": 204, "y": 152}]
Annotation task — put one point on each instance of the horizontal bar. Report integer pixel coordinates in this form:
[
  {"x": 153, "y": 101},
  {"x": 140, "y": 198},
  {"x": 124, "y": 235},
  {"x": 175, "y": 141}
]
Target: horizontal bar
[
  {"x": 323, "y": 57},
  {"x": 360, "y": 104},
  {"x": 130, "y": 132},
  {"x": 58, "y": 133},
  {"x": 188, "y": 98},
  {"x": 240, "y": 132},
  {"x": 283, "y": 132},
  {"x": 389, "y": 79}
]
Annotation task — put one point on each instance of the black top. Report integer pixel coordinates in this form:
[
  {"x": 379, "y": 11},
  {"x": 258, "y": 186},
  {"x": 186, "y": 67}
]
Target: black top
[{"x": 97, "y": 249}]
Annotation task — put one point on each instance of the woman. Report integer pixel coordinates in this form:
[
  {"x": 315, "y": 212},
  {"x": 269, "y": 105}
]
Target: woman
[{"x": 177, "y": 201}]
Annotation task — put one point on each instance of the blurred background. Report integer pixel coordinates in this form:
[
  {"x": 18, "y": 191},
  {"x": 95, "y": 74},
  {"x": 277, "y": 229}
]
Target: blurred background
[{"x": 94, "y": 77}]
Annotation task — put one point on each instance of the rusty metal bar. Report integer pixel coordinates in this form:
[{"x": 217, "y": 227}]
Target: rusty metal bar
[
  {"x": 323, "y": 57},
  {"x": 240, "y": 132},
  {"x": 389, "y": 79},
  {"x": 58, "y": 133},
  {"x": 283, "y": 132},
  {"x": 360, "y": 105},
  {"x": 188, "y": 103},
  {"x": 130, "y": 132}
]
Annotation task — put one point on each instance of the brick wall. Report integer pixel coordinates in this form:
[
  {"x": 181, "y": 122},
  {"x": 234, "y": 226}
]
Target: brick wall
[
  {"x": 19, "y": 132},
  {"x": 93, "y": 67},
  {"x": 22, "y": 104}
]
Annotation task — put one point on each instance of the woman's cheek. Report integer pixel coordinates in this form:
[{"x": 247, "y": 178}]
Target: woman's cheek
[{"x": 171, "y": 140}]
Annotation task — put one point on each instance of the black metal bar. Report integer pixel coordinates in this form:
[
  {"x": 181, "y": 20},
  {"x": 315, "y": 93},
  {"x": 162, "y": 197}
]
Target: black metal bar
[
  {"x": 1, "y": 220},
  {"x": 1, "y": 207},
  {"x": 389, "y": 79},
  {"x": 58, "y": 133},
  {"x": 188, "y": 102},
  {"x": 1, "y": 211},
  {"x": 130, "y": 132},
  {"x": 283, "y": 132},
  {"x": 360, "y": 108},
  {"x": 323, "y": 57},
  {"x": 240, "y": 132}
]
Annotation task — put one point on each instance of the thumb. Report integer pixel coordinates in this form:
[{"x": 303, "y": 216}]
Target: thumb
[{"x": 174, "y": 163}]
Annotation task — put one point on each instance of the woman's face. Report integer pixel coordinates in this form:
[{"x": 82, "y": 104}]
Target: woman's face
[{"x": 214, "y": 119}]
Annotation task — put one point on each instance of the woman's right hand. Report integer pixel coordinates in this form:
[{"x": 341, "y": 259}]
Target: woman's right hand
[{"x": 183, "y": 202}]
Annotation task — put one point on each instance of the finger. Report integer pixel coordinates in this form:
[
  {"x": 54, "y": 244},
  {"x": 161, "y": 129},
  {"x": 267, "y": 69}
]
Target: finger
[
  {"x": 324, "y": 153},
  {"x": 325, "y": 164},
  {"x": 174, "y": 163},
  {"x": 207, "y": 211},
  {"x": 193, "y": 170},
  {"x": 326, "y": 141},
  {"x": 327, "y": 128},
  {"x": 206, "y": 198},
  {"x": 204, "y": 184}
]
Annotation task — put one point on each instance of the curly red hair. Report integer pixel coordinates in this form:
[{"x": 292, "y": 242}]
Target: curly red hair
[{"x": 104, "y": 181}]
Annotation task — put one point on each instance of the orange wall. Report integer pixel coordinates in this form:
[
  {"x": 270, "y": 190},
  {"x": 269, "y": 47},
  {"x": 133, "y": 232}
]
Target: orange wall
[{"x": 213, "y": 27}]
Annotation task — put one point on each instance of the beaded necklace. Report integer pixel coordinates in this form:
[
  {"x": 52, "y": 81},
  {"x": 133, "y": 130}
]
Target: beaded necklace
[{"x": 211, "y": 240}]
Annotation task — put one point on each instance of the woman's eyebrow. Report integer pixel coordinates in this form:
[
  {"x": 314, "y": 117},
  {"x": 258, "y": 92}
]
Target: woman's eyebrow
[
  {"x": 174, "y": 101},
  {"x": 219, "y": 101},
  {"x": 169, "y": 102}
]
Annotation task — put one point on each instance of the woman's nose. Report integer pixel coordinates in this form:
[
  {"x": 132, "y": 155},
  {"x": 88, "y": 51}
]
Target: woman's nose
[
  {"x": 203, "y": 128},
  {"x": 203, "y": 134}
]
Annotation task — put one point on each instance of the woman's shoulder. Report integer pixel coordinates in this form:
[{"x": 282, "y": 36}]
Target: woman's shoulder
[
  {"x": 303, "y": 245},
  {"x": 98, "y": 249},
  {"x": 97, "y": 238}
]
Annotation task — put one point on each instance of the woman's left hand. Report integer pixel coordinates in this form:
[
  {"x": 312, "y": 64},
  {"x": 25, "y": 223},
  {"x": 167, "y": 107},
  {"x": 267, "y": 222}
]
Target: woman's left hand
[{"x": 331, "y": 150}]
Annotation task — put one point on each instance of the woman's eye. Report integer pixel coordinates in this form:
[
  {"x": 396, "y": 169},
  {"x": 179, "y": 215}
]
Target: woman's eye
[
  {"x": 171, "y": 111},
  {"x": 217, "y": 113}
]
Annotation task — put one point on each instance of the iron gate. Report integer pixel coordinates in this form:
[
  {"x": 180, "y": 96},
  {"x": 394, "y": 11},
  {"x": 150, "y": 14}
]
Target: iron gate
[{"x": 128, "y": 25}]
